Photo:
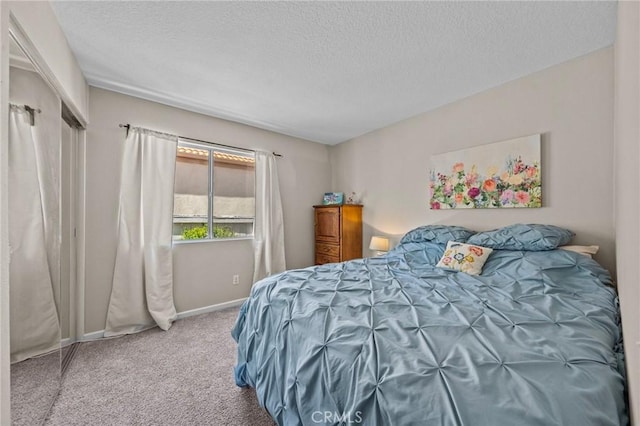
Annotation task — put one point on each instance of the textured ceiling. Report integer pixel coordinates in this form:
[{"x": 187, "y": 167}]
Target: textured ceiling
[{"x": 324, "y": 71}]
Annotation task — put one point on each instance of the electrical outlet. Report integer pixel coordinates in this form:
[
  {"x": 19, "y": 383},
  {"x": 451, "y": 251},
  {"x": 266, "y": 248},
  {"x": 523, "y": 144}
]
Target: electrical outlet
[{"x": 236, "y": 279}]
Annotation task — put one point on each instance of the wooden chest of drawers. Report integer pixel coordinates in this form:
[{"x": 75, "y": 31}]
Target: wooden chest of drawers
[{"x": 338, "y": 232}]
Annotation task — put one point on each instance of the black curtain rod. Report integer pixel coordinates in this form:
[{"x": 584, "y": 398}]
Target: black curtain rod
[
  {"x": 31, "y": 112},
  {"x": 128, "y": 126}
]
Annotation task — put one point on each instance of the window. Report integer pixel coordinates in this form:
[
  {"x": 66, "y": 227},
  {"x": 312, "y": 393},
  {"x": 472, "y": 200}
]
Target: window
[{"x": 214, "y": 193}]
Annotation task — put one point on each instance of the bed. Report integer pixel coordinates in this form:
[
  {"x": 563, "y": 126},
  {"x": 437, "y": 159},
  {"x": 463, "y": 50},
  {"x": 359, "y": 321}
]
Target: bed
[{"x": 534, "y": 339}]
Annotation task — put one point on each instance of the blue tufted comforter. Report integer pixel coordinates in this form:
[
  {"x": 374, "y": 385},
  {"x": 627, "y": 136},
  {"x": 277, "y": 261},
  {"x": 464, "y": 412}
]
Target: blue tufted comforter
[{"x": 393, "y": 340}]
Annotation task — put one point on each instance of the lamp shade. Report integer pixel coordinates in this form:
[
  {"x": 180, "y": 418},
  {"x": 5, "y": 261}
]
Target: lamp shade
[{"x": 379, "y": 244}]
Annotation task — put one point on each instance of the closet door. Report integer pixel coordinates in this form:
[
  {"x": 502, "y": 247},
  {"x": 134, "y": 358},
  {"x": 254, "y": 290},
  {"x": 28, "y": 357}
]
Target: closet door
[{"x": 34, "y": 238}]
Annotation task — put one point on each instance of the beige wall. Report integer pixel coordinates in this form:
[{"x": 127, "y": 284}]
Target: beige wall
[
  {"x": 570, "y": 104},
  {"x": 202, "y": 271},
  {"x": 627, "y": 131}
]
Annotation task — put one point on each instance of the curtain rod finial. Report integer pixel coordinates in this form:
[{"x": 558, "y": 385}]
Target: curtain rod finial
[{"x": 125, "y": 126}]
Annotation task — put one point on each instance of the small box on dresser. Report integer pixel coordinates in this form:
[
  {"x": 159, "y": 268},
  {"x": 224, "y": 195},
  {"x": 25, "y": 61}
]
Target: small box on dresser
[{"x": 338, "y": 233}]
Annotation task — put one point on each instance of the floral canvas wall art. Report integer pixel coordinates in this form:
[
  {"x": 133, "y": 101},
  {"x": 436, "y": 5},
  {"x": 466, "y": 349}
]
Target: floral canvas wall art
[{"x": 498, "y": 175}]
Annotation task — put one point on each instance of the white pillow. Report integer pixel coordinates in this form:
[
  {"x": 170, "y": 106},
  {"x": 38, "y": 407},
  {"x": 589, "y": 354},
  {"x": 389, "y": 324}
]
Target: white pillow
[
  {"x": 463, "y": 257},
  {"x": 588, "y": 251}
]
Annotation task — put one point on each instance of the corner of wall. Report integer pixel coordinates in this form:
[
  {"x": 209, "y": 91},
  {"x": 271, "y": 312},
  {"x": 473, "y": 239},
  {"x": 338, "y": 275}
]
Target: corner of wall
[
  {"x": 332, "y": 166},
  {"x": 627, "y": 208}
]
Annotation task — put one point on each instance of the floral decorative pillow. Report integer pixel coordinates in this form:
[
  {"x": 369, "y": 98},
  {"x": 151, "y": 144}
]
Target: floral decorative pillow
[{"x": 464, "y": 257}]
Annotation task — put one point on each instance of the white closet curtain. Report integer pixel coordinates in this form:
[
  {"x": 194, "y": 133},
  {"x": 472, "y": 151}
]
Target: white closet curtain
[
  {"x": 142, "y": 291},
  {"x": 33, "y": 237},
  {"x": 268, "y": 245}
]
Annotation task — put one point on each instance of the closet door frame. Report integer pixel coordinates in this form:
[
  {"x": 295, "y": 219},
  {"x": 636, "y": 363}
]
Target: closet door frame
[
  {"x": 5, "y": 371},
  {"x": 11, "y": 29},
  {"x": 20, "y": 37}
]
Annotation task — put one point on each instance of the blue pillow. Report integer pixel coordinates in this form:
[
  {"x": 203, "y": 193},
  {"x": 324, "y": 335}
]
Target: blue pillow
[
  {"x": 440, "y": 234},
  {"x": 531, "y": 237}
]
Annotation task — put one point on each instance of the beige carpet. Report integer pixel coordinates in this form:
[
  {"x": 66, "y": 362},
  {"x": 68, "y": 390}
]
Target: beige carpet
[
  {"x": 34, "y": 385},
  {"x": 183, "y": 376}
]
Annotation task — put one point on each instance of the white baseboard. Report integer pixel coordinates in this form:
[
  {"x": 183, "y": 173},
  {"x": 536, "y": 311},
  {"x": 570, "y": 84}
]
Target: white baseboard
[
  {"x": 92, "y": 336},
  {"x": 211, "y": 308},
  {"x": 85, "y": 338},
  {"x": 181, "y": 315}
]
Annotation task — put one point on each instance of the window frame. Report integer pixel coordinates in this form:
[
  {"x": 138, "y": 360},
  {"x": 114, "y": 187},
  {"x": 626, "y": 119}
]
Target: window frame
[{"x": 212, "y": 147}]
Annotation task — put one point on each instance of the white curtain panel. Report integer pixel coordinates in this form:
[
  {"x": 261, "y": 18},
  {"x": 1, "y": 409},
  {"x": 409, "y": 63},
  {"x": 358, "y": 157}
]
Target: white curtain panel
[
  {"x": 268, "y": 244},
  {"x": 142, "y": 290},
  {"x": 33, "y": 233}
]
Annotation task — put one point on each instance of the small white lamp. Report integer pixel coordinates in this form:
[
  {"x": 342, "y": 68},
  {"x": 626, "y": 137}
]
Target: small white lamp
[{"x": 379, "y": 244}]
